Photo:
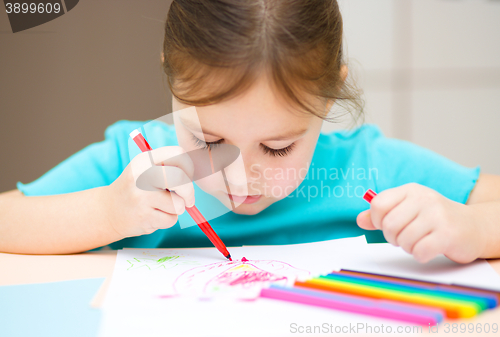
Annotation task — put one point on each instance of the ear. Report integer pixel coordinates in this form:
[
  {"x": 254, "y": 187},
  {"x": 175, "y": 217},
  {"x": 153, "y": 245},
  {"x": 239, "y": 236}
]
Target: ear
[
  {"x": 176, "y": 105},
  {"x": 344, "y": 71},
  {"x": 329, "y": 104},
  {"x": 162, "y": 57}
]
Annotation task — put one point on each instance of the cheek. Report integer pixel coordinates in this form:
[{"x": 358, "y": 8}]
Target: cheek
[
  {"x": 212, "y": 184},
  {"x": 288, "y": 173},
  {"x": 283, "y": 180}
]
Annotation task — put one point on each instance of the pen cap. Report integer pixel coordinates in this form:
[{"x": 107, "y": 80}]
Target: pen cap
[{"x": 369, "y": 195}]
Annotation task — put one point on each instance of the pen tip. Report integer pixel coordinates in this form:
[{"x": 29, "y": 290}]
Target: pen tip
[{"x": 229, "y": 257}]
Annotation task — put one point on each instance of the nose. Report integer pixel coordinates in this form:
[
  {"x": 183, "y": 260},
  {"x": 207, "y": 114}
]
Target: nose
[
  {"x": 236, "y": 176},
  {"x": 244, "y": 173}
]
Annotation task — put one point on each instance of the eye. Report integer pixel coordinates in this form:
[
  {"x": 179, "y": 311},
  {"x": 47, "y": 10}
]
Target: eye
[
  {"x": 278, "y": 152},
  {"x": 206, "y": 145}
]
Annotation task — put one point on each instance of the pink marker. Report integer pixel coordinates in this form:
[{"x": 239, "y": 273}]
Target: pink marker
[
  {"x": 193, "y": 211},
  {"x": 360, "y": 305}
]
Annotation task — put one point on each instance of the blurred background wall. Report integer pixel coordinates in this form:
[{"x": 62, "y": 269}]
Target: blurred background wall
[{"x": 430, "y": 70}]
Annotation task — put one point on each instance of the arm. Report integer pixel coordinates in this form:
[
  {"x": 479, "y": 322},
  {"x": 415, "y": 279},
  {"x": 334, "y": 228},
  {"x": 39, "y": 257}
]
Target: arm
[
  {"x": 425, "y": 223},
  {"x": 429, "y": 205},
  {"x": 79, "y": 221},
  {"x": 58, "y": 224}
]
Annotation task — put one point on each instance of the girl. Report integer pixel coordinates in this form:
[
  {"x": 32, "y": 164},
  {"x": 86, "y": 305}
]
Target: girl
[{"x": 261, "y": 76}]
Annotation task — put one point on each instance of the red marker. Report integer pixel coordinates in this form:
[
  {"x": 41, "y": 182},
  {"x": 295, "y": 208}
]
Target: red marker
[
  {"x": 369, "y": 195},
  {"x": 193, "y": 211}
]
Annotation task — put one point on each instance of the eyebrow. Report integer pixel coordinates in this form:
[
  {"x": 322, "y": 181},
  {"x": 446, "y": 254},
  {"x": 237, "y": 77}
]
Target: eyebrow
[
  {"x": 285, "y": 136},
  {"x": 288, "y": 135}
]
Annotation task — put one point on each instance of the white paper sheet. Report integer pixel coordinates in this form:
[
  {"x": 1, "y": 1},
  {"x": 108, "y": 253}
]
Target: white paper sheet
[
  {"x": 221, "y": 318},
  {"x": 142, "y": 274},
  {"x": 195, "y": 292},
  {"x": 185, "y": 292},
  {"x": 395, "y": 261}
]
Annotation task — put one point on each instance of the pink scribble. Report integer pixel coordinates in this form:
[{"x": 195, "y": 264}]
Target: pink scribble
[
  {"x": 167, "y": 296},
  {"x": 244, "y": 274},
  {"x": 247, "y": 277}
]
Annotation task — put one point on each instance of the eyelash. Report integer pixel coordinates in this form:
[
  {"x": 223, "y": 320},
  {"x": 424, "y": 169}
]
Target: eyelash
[
  {"x": 267, "y": 150},
  {"x": 278, "y": 152},
  {"x": 206, "y": 145}
]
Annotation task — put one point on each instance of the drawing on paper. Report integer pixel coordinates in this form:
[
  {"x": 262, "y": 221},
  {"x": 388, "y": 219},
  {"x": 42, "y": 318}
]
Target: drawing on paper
[
  {"x": 240, "y": 279},
  {"x": 165, "y": 262}
]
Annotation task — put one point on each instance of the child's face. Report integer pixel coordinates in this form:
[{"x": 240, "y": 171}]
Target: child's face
[{"x": 276, "y": 145}]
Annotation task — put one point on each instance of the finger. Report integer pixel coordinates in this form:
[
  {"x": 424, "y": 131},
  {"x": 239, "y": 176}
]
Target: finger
[
  {"x": 168, "y": 177},
  {"x": 427, "y": 248},
  {"x": 412, "y": 233},
  {"x": 384, "y": 202},
  {"x": 364, "y": 220},
  {"x": 186, "y": 192},
  {"x": 167, "y": 202},
  {"x": 158, "y": 219},
  {"x": 162, "y": 177},
  {"x": 397, "y": 219},
  {"x": 140, "y": 164},
  {"x": 162, "y": 167},
  {"x": 173, "y": 156},
  {"x": 162, "y": 220}
]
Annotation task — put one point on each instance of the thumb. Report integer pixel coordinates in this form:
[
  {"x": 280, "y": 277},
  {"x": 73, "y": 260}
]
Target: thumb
[{"x": 364, "y": 220}]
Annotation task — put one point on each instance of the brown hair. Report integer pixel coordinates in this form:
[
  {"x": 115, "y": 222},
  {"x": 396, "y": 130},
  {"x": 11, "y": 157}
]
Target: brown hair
[{"x": 229, "y": 43}]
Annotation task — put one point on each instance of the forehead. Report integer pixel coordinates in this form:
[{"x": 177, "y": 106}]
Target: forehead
[{"x": 259, "y": 111}]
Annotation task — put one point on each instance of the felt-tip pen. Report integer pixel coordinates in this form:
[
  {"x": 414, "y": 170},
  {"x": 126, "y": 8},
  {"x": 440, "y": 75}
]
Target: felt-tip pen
[
  {"x": 193, "y": 211},
  {"x": 369, "y": 195}
]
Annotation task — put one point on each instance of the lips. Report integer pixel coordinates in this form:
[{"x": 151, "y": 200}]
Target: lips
[{"x": 246, "y": 199}]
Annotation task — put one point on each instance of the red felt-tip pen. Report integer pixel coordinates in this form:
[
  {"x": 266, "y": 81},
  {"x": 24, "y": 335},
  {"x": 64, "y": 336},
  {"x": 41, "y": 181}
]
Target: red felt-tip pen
[
  {"x": 193, "y": 211},
  {"x": 369, "y": 195}
]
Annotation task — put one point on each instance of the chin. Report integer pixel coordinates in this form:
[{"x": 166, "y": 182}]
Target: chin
[{"x": 244, "y": 209}]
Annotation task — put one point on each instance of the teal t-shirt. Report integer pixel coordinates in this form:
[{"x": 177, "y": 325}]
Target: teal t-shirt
[{"x": 324, "y": 207}]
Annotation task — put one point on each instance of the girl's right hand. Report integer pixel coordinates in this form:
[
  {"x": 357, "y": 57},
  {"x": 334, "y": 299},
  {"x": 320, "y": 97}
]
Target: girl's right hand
[{"x": 134, "y": 211}]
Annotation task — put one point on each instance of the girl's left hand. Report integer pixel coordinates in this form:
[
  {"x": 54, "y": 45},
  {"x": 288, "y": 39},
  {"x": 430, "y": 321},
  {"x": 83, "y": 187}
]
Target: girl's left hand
[{"x": 425, "y": 223}]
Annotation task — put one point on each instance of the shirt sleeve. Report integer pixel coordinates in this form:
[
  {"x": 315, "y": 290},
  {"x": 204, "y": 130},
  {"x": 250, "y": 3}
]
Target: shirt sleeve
[
  {"x": 397, "y": 162},
  {"x": 96, "y": 165}
]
